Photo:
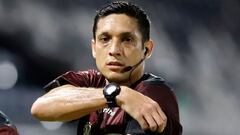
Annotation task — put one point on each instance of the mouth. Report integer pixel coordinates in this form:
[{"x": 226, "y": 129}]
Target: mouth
[{"x": 115, "y": 65}]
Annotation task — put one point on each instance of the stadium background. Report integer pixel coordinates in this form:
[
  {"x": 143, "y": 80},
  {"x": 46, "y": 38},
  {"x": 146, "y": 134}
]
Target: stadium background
[{"x": 197, "y": 52}]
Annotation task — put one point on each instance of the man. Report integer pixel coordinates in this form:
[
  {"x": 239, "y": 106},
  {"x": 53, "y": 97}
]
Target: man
[{"x": 120, "y": 98}]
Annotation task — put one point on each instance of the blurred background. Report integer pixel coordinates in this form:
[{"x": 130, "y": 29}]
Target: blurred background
[{"x": 197, "y": 52}]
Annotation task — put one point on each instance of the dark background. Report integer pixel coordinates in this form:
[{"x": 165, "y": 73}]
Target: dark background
[{"x": 197, "y": 52}]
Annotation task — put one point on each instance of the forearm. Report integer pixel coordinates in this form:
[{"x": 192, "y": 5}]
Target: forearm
[{"x": 67, "y": 103}]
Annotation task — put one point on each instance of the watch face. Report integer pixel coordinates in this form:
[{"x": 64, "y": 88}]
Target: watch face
[{"x": 110, "y": 89}]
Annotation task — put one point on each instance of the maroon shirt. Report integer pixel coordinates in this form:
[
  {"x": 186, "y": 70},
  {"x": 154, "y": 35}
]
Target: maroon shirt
[
  {"x": 8, "y": 130},
  {"x": 115, "y": 120},
  {"x": 6, "y": 127}
]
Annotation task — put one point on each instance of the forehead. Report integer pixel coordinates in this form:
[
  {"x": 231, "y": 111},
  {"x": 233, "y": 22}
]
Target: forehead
[{"x": 117, "y": 23}]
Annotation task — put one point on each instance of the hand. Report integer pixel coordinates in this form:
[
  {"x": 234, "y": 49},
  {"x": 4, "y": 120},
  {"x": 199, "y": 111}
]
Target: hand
[{"x": 143, "y": 109}]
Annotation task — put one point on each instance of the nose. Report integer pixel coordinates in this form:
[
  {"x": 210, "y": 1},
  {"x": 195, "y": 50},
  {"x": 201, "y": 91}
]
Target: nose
[{"x": 115, "y": 49}]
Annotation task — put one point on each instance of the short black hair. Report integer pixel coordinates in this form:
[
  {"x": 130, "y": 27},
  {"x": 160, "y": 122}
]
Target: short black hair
[{"x": 122, "y": 7}]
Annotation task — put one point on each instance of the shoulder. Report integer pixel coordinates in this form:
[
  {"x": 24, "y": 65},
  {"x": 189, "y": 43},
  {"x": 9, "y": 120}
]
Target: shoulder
[
  {"x": 152, "y": 83},
  {"x": 90, "y": 72},
  {"x": 6, "y": 126},
  {"x": 76, "y": 75},
  {"x": 89, "y": 78},
  {"x": 157, "y": 89},
  {"x": 152, "y": 79}
]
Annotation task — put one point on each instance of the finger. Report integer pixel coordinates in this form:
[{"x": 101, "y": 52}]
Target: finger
[
  {"x": 161, "y": 118},
  {"x": 152, "y": 125},
  {"x": 159, "y": 110},
  {"x": 157, "y": 117},
  {"x": 142, "y": 122},
  {"x": 160, "y": 122}
]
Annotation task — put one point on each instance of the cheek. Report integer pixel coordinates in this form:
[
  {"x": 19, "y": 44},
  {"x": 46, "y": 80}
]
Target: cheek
[
  {"x": 134, "y": 57},
  {"x": 100, "y": 57},
  {"x": 101, "y": 53},
  {"x": 99, "y": 64}
]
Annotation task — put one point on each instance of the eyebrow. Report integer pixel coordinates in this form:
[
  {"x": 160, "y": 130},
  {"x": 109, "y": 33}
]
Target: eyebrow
[
  {"x": 121, "y": 35},
  {"x": 104, "y": 33},
  {"x": 125, "y": 34}
]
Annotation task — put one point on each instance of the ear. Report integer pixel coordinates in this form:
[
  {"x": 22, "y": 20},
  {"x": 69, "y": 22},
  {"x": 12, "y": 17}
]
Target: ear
[
  {"x": 93, "y": 44},
  {"x": 149, "y": 48}
]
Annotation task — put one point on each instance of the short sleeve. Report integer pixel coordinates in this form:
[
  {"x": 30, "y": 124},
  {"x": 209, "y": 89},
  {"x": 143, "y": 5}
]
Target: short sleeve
[{"x": 90, "y": 78}]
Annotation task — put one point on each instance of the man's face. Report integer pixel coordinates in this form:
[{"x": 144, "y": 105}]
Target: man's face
[{"x": 118, "y": 44}]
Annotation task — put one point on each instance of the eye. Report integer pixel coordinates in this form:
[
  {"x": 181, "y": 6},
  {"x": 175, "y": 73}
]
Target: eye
[
  {"x": 104, "y": 39},
  {"x": 127, "y": 39}
]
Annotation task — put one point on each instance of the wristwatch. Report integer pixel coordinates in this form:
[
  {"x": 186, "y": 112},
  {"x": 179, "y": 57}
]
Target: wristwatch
[{"x": 110, "y": 91}]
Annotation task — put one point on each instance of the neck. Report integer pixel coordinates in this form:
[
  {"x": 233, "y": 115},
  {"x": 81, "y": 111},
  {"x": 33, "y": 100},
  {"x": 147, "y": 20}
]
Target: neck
[{"x": 134, "y": 76}]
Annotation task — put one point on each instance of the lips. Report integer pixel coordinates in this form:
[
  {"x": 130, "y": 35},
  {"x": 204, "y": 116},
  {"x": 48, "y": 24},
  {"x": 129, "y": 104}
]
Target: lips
[{"x": 114, "y": 64}]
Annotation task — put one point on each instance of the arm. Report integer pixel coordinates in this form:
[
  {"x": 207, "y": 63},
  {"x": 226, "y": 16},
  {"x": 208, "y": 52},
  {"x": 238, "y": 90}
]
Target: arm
[{"x": 67, "y": 103}]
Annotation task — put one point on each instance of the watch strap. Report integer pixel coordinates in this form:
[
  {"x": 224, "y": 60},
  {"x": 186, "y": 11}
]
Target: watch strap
[{"x": 111, "y": 103}]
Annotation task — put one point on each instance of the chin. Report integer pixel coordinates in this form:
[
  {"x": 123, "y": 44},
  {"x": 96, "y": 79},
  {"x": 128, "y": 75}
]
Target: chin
[{"x": 116, "y": 77}]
